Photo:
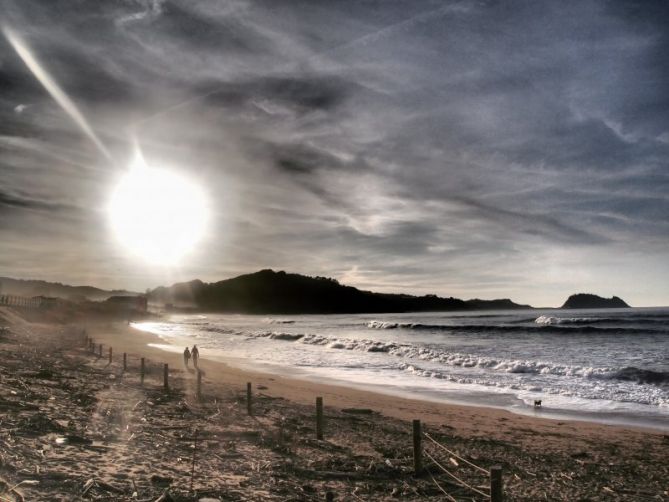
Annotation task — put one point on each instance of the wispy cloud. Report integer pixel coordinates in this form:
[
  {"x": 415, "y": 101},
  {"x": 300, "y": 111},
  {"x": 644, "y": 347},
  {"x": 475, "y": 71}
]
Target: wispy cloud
[{"x": 463, "y": 148}]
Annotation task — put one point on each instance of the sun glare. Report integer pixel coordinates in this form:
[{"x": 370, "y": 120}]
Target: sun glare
[{"x": 157, "y": 214}]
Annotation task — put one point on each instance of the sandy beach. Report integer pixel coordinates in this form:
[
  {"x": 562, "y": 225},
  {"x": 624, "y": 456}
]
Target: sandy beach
[{"x": 76, "y": 426}]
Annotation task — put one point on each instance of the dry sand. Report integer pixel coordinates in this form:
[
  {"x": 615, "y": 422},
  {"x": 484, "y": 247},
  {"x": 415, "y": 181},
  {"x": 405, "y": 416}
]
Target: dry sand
[{"x": 74, "y": 426}]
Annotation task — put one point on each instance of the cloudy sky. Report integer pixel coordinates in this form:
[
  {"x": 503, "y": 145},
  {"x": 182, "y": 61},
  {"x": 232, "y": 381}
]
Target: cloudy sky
[{"x": 472, "y": 148}]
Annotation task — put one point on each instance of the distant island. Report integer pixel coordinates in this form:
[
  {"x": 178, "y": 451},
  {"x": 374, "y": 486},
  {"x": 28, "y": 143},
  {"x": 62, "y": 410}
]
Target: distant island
[
  {"x": 270, "y": 292},
  {"x": 590, "y": 301}
]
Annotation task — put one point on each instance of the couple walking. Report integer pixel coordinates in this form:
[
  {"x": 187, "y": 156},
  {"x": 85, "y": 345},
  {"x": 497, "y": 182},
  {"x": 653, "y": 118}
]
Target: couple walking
[{"x": 194, "y": 353}]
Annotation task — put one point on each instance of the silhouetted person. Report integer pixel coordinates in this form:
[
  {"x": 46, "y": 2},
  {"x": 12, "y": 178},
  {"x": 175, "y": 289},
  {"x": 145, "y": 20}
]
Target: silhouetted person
[
  {"x": 187, "y": 357},
  {"x": 196, "y": 355}
]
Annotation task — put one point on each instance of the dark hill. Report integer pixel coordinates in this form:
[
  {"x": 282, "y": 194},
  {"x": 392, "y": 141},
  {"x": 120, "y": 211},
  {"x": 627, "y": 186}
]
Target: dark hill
[
  {"x": 588, "y": 301},
  {"x": 501, "y": 304},
  {"x": 269, "y": 292},
  {"x": 30, "y": 288}
]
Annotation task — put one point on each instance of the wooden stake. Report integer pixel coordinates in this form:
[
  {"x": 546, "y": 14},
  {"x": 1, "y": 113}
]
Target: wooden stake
[
  {"x": 100, "y": 351},
  {"x": 417, "y": 448},
  {"x": 166, "y": 384},
  {"x": 496, "y": 494},
  {"x": 198, "y": 392},
  {"x": 281, "y": 439},
  {"x": 125, "y": 361},
  {"x": 249, "y": 408},
  {"x": 141, "y": 372},
  {"x": 319, "y": 418},
  {"x": 192, "y": 472},
  {"x": 110, "y": 355}
]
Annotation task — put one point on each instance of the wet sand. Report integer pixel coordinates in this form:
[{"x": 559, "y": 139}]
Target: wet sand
[{"x": 79, "y": 426}]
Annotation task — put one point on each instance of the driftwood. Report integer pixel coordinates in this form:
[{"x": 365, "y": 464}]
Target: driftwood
[
  {"x": 357, "y": 475},
  {"x": 358, "y": 411}
]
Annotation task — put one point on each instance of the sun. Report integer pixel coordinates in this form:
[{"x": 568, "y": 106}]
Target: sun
[{"x": 158, "y": 214}]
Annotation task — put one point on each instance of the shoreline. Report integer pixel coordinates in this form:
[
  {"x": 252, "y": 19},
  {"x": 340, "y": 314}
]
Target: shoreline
[
  {"x": 496, "y": 401},
  {"x": 336, "y": 393}
]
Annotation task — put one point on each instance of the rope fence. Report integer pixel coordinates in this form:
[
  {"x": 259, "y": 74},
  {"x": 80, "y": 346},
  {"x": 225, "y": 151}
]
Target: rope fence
[
  {"x": 494, "y": 493},
  {"x": 457, "y": 479},
  {"x": 448, "y": 495},
  {"x": 24, "y": 302},
  {"x": 484, "y": 471}
]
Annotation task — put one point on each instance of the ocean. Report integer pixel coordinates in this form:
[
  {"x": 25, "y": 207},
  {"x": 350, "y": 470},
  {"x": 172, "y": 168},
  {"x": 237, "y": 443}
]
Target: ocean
[{"x": 609, "y": 366}]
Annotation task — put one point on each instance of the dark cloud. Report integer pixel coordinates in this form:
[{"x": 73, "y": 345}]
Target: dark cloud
[
  {"x": 300, "y": 93},
  {"x": 22, "y": 201},
  {"x": 198, "y": 31},
  {"x": 294, "y": 158},
  {"x": 544, "y": 225}
]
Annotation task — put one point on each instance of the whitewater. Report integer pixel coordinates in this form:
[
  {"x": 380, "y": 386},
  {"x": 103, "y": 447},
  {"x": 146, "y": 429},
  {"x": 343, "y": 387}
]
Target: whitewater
[{"x": 604, "y": 365}]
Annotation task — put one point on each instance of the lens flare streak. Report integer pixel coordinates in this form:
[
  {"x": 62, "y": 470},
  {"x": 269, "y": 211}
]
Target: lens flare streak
[{"x": 53, "y": 88}]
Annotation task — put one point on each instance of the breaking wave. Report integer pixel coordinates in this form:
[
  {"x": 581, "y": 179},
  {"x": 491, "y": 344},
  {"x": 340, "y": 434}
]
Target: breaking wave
[
  {"x": 552, "y": 320},
  {"x": 638, "y": 375},
  {"x": 279, "y": 321},
  {"x": 457, "y": 359},
  {"x": 545, "y": 326},
  {"x": 625, "y": 392}
]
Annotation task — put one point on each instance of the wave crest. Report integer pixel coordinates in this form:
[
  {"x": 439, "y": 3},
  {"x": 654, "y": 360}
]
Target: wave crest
[{"x": 457, "y": 359}]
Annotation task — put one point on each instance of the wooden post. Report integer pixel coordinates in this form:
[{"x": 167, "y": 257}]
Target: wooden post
[
  {"x": 417, "y": 448},
  {"x": 198, "y": 392},
  {"x": 319, "y": 418},
  {"x": 496, "y": 494},
  {"x": 249, "y": 407},
  {"x": 280, "y": 439},
  {"x": 141, "y": 372},
  {"x": 125, "y": 361},
  {"x": 166, "y": 371},
  {"x": 110, "y": 355},
  {"x": 100, "y": 351}
]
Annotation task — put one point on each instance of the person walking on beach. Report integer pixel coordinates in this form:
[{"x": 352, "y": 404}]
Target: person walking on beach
[
  {"x": 187, "y": 357},
  {"x": 196, "y": 355}
]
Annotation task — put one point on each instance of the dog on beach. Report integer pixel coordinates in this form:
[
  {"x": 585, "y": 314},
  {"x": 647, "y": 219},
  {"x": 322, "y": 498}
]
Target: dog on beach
[{"x": 537, "y": 403}]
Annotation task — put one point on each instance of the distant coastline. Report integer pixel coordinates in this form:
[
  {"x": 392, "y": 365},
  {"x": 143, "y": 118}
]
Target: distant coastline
[{"x": 271, "y": 292}]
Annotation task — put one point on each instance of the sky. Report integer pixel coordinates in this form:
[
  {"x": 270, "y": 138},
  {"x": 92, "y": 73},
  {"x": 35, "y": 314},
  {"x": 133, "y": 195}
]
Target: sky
[{"x": 488, "y": 149}]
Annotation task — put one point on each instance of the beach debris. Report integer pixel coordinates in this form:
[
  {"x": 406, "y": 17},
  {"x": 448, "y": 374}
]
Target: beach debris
[
  {"x": 87, "y": 486},
  {"x": 72, "y": 439},
  {"x": 158, "y": 480},
  {"x": 39, "y": 424},
  {"x": 358, "y": 411},
  {"x": 98, "y": 483},
  {"x": 44, "y": 373},
  {"x": 166, "y": 496},
  {"x": 9, "y": 492}
]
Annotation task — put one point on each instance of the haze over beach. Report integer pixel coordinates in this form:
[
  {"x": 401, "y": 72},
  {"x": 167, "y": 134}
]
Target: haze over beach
[{"x": 446, "y": 221}]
